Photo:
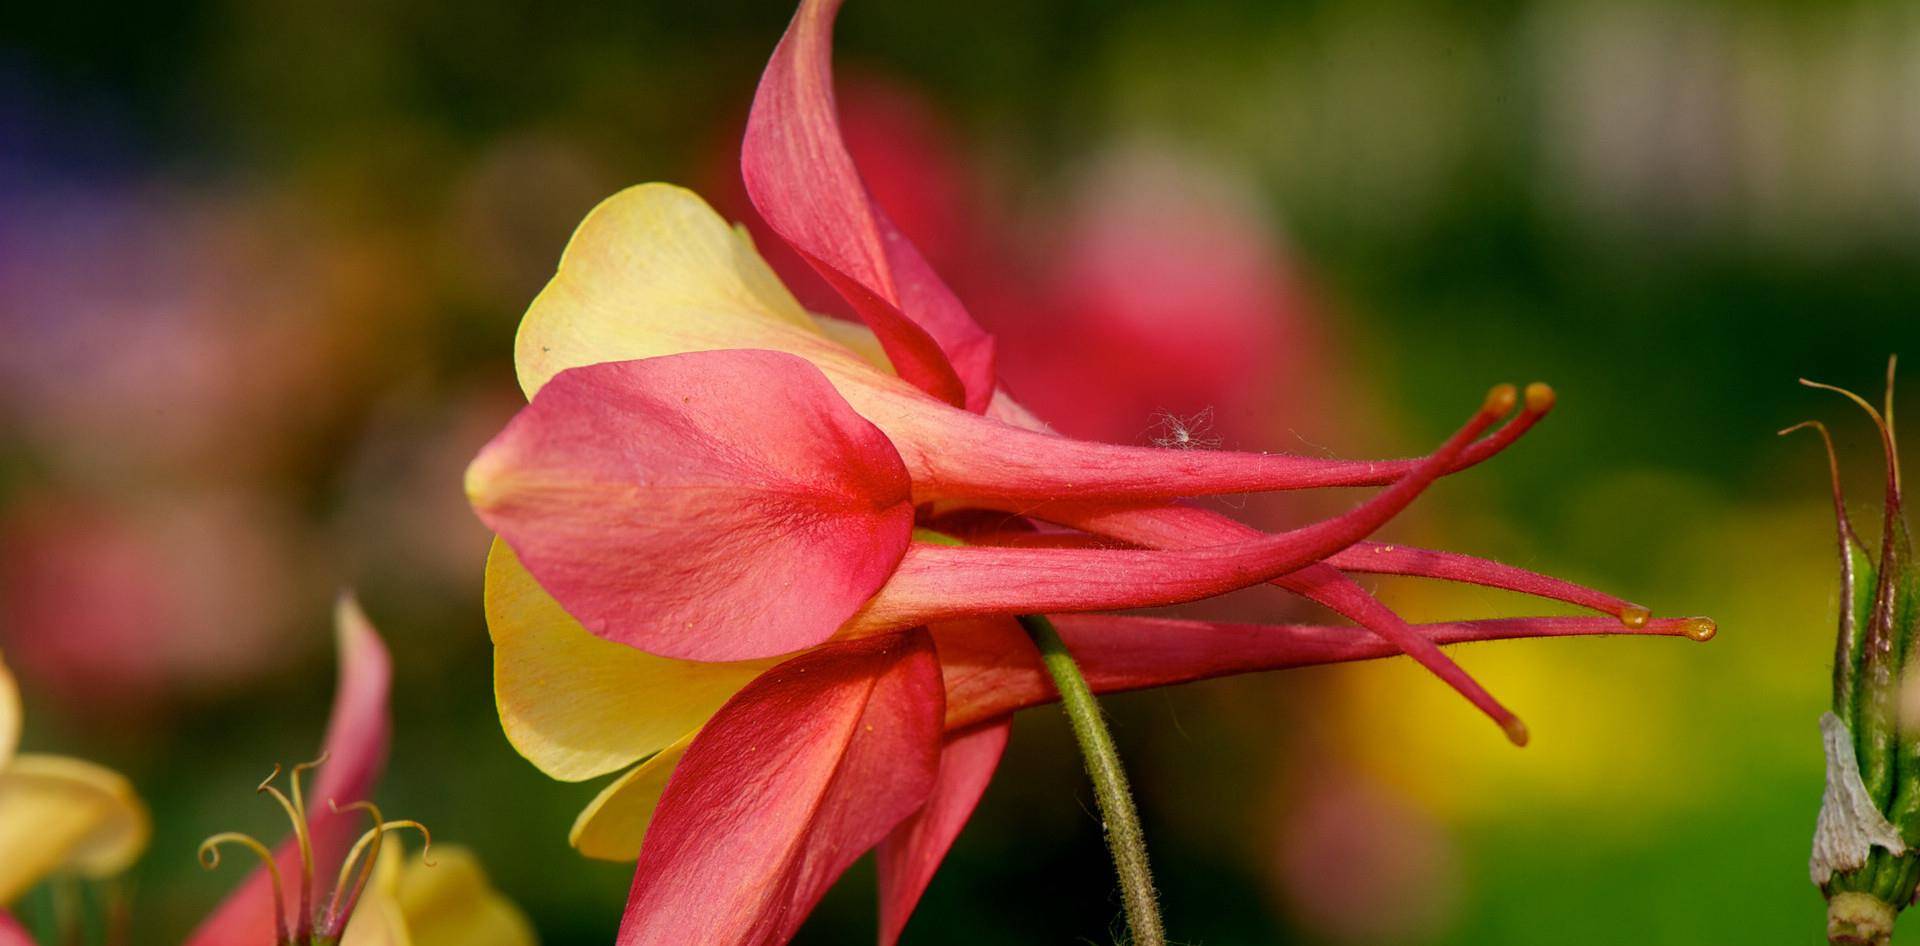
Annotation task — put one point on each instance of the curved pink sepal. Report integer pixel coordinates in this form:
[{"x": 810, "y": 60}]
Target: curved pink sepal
[
  {"x": 720, "y": 505},
  {"x": 1175, "y": 526},
  {"x": 804, "y": 184},
  {"x": 797, "y": 776},
  {"x": 356, "y": 751},
  {"x": 910, "y": 855}
]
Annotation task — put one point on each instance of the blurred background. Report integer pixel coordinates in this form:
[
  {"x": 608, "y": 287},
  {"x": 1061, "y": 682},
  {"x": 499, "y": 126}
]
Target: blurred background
[{"x": 261, "y": 263}]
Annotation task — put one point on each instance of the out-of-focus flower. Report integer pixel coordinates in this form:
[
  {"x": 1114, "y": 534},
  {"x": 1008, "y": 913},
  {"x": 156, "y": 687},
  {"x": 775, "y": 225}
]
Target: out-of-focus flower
[
  {"x": 404, "y": 513},
  {"x": 1359, "y": 864},
  {"x": 158, "y": 499},
  {"x": 1165, "y": 289},
  {"x": 445, "y": 901},
  {"x": 402, "y": 904},
  {"x": 195, "y": 365},
  {"x": 1156, "y": 281},
  {"x": 12, "y": 933},
  {"x": 58, "y": 814},
  {"x": 1864, "y": 860},
  {"x": 717, "y": 479},
  {"x": 113, "y": 601}
]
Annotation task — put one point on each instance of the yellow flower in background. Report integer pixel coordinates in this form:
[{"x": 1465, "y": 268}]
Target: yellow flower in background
[
  {"x": 1664, "y": 754},
  {"x": 442, "y": 900},
  {"x": 60, "y": 815}
]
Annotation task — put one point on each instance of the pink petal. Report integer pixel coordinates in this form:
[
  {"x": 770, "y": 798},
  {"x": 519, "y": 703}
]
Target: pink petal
[
  {"x": 710, "y": 506},
  {"x": 356, "y": 751},
  {"x": 912, "y": 164},
  {"x": 804, "y": 184},
  {"x": 12, "y": 933},
  {"x": 910, "y": 855},
  {"x": 991, "y": 669},
  {"x": 796, "y": 777}
]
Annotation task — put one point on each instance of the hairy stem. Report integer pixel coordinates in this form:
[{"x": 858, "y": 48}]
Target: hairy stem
[{"x": 1117, "y": 814}]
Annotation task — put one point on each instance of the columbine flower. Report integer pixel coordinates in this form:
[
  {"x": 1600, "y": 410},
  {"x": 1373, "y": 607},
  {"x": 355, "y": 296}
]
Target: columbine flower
[
  {"x": 1865, "y": 857},
  {"x": 59, "y": 815},
  {"x": 444, "y": 900},
  {"x": 810, "y": 535}
]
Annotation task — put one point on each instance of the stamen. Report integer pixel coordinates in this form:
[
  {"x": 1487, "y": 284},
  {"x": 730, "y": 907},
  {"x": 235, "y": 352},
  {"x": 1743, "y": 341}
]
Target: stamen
[
  {"x": 300, "y": 803},
  {"x": 210, "y": 859},
  {"x": 368, "y": 845},
  {"x": 334, "y": 918},
  {"x": 296, "y": 813}
]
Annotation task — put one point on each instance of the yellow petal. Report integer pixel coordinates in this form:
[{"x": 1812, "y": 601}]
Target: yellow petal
[
  {"x": 9, "y": 714},
  {"x": 451, "y": 903},
  {"x": 615, "y": 822},
  {"x": 578, "y": 706},
  {"x": 59, "y": 814},
  {"x": 378, "y": 919},
  {"x": 654, "y": 271},
  {"x": 857, "y": 338},
  {"x": 409, "y": 903}
]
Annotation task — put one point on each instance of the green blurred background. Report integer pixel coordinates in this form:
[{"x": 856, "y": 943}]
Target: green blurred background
[{"x": 261, "y": 262}]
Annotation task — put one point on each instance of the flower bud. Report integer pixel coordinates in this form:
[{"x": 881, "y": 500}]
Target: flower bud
[{"x": 1866, "y": 843}]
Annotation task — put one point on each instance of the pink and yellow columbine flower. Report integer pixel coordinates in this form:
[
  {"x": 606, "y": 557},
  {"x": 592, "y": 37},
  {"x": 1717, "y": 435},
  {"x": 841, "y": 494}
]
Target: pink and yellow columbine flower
[
  {"x": 378, "y": 896},
  {"x": 765, "y": 561},
  {"x": 58, "y": 815}
]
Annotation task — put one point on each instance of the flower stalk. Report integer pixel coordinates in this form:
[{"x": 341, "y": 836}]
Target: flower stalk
[{"x": 1117, "y": 813}]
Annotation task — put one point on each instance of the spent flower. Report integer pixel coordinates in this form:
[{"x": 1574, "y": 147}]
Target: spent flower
[{"x": 1866, "y": 843}]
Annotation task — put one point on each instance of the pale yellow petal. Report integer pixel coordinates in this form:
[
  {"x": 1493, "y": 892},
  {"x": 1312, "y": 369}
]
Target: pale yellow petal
[
  {"x": 655, "y": 271},
  {"x": 9, "y": 714},
  {"x": 857, "y": 338},
  {"x": 451, "y": 903},
  {"x": 59, "y": 814},
  {"x": 378, "y": 919},
  {"x": 579, "y": 706},
  {"x": 615, "y": 822}
]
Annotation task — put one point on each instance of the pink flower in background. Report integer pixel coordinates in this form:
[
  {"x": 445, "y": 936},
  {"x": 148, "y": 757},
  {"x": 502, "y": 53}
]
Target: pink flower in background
[
  {"x": 176, "y": 356},
  {"x": 1356, "y": 863},
  {"x": 118, "y": 604},
  {"x": 1156, "y": 280}
]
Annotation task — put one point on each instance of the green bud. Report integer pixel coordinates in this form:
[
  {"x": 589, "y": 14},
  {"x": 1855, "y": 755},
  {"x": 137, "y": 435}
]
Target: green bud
[{"x": 1866, "y": 843}]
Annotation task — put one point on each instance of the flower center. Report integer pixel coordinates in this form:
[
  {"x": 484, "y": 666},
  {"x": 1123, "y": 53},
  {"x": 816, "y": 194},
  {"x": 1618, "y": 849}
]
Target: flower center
[{"x": 312, "y": 926}]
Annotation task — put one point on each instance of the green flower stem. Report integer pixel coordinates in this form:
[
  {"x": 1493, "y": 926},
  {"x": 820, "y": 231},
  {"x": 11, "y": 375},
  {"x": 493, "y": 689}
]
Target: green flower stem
[{"x": 1117, "y": 814}]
